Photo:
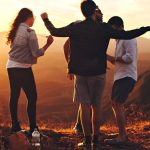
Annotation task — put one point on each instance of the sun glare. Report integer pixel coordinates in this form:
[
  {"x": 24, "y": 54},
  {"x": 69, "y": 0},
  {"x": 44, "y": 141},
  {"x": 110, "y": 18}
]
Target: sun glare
[{"x": 66, "y": 11}]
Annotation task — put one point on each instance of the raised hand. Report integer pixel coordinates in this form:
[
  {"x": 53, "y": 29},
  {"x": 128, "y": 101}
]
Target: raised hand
[
  {"x": 44, "y": 15},
  {"x": 48, "y": 43}
]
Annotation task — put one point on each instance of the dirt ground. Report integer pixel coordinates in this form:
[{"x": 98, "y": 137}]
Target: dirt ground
[{"x": 67, "y": 139}]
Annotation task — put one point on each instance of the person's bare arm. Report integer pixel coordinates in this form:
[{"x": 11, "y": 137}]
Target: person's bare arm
[
  {"x": 120, "y": 60},
  {"x": 111, "y": 59},
  {"x": 67, "y": 50},
  {"x": 50, "y": 40}
]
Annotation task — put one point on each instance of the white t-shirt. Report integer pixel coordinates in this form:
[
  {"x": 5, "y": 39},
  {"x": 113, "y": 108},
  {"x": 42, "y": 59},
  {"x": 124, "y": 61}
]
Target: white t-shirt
[
  {"x": 127, "y": 49},
  {"x": 14, "y": 64}
]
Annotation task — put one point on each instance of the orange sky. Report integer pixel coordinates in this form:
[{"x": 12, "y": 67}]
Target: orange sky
[{"x": 136, "y": 13}]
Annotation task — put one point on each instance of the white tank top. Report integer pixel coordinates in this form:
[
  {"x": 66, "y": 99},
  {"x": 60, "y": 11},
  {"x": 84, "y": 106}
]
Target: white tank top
[{"x": 14, "y": 64}]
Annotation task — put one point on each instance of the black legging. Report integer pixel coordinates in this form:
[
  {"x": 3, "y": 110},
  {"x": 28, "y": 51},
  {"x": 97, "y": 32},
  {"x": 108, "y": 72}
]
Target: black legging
[{"x": 22, "y": 78}]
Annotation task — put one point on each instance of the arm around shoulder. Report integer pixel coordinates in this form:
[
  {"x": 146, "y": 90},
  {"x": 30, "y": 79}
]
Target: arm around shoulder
[{"x": 127, "y": 35}]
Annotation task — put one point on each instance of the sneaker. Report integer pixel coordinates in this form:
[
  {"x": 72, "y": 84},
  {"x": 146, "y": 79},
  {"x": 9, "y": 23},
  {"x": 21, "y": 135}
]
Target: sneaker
[
  {"x": 86, "y": 143},
  {"x": 78, "y": 128},
  {"x": 29, "y": 134}
]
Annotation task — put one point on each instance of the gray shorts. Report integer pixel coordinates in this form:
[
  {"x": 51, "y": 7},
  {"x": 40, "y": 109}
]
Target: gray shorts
[{"x": 89, "y": 89}]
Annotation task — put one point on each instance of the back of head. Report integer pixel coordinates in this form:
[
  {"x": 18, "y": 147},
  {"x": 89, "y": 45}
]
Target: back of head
[
  {"x": 21, "y": 17},
  {"x": 116, "y": 21},
  {"x": 88, "y": 8}
]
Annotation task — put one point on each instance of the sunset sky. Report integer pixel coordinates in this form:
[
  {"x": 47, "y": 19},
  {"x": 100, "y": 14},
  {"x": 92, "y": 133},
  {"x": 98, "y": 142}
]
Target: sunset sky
[{"x": 136, "y": 13}]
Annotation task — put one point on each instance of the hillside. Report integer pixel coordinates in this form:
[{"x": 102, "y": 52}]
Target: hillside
[{"x": 66, "y": 139}]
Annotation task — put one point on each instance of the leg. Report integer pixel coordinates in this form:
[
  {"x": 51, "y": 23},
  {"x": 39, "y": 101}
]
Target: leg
[
  {"x": 78, "y": 116},
  {"x": 96, "y": 88},
  {"x": 120, "y": 119},
  {"x": 15, "y": 89},
  {"x": 78, "y": 125},
  {"x": 86, "y": 119},
  {"x": 81, "y": 94},
  {"x": 29, "y": 88},
  {"x": 86, "y": 122},
  {"x": 96, "y": 119},
  {"x": 119, "y": 96}
]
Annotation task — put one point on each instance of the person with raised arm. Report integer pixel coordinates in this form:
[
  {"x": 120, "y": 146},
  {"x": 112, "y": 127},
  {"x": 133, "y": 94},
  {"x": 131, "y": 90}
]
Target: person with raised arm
[
  {"x": 67, "y": 51},
  {"x": 88, "y": 62}
]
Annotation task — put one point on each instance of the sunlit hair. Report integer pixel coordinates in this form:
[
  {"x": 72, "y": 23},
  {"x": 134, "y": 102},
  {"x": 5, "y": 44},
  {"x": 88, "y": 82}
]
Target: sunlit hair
[{"x": 22, "y": 16}]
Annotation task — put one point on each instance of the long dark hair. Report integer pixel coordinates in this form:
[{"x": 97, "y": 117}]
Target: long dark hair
[{"x": 22, "y": 16}]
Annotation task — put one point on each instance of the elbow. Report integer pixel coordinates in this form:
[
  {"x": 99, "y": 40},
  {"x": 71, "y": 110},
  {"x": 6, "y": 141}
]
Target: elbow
[
  {"x": 34, "y": 55},
  {"x": 129, "y": 61},
  {"x": 52, "y": 31}
]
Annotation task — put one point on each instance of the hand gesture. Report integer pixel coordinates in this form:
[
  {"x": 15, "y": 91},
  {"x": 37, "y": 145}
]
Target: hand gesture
[{"x": 44, "y": 15}]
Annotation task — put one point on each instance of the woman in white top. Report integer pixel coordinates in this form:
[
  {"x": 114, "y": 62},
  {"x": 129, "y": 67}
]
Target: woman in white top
[{"x": 23, "y": 54}]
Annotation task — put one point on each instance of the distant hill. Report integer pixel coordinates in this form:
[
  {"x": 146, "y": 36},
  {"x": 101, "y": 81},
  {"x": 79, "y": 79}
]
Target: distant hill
[
  {"x": 143, "y": 43},
  {"x": 141, "y": 94}
]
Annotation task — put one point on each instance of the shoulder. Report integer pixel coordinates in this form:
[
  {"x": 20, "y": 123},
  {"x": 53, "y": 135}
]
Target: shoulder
[
  {"x": 130, "y": 42},
  {"x": 22, "y": 29},
  {"x": 76, "y": 22},
  {"x": 30, "y": 30},
  {"x": 105, "y": 26}
]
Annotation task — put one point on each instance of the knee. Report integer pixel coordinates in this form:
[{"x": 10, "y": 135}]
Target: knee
[
  {"x": 96, "y": 106},
  {"x": 117, "y": 106}
]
